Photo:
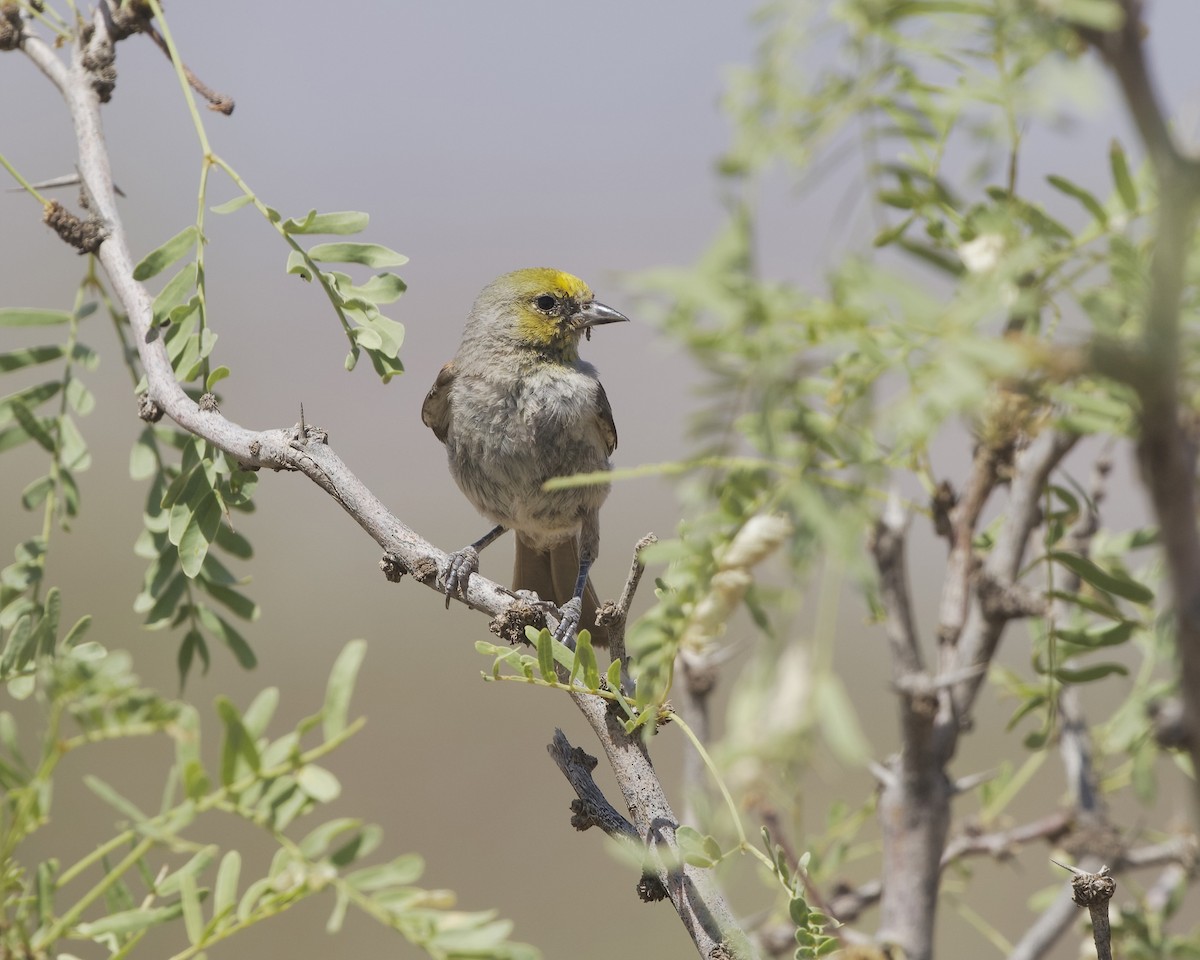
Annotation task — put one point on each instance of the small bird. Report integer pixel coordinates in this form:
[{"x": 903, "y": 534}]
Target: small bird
[{"x": 517, "y": 407}]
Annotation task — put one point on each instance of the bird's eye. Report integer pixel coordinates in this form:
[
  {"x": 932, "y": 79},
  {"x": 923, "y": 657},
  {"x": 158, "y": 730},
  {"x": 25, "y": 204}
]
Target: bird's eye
[{"x": 545, "y": 302}]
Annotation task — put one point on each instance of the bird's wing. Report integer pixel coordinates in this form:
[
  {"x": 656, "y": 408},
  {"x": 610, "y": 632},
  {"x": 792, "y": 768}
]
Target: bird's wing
[
  {"x": 435, "y": 411},
  {"x": 604, "y": 415}
]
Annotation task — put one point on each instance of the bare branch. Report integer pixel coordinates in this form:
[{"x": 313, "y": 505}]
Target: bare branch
[
  {"x": 218, "y": 102},
  {"x": 887, "y": 545},
  {"x": 614, "y": 615},
  {"x": 981, "y": 633},
  {"x": 961, "y": 521},
  {"x": 1094, "y": 890},
  {"x": 692, "y": 890}
]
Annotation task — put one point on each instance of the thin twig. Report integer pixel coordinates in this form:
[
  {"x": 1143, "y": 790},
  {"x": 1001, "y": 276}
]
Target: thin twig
[{"x": 216, "y": 101}]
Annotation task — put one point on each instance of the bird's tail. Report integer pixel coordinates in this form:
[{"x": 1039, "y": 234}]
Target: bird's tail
[{"x": 552, "y": 574}]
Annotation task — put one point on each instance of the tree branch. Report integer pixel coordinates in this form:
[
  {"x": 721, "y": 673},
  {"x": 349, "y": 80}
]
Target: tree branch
[
  {"x": 914, "y": 805},
  {"x": 692, "y": 890},
  {"x": 983, "y": 629}
]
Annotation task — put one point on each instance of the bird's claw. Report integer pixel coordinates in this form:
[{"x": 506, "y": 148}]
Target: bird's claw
[
  {"x": 568, "y": 621},
  {"x": 461, "y": 564}
]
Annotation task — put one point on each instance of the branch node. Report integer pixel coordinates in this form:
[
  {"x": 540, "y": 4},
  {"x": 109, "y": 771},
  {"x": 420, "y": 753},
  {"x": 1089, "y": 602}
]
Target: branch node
[
  {"x": 942, "y": 504},
  {"x": 425, "y": 570},
  {"x": 650, "y": 889},
  {"x": 1170, "y": 727},
  {"x": 84, "y": 235},
  {"x": 99, "y": 57},
  {"x": 1011, "y": 601},
  {"x": 510, "y": 623},
  {"x": 393, "y": 567},
  {"x": 151, "y": 412},
  {"x": 10, "y": 26}
]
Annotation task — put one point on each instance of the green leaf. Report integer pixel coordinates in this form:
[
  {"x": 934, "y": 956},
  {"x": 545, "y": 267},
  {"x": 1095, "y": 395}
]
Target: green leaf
[
  {"x": 368, "y": 254},
  {"x": 80, "y": 397},
  {"x": 234, "y": 543},
  {"x": 143, "y": 456},
  {"x": 75, "y": 634},
  {"x": 338, "y": 915},
  {"x": 1118, "y": 584},
  {"x": 175, "y": 292},
  {"x": 113, "y": 799},
  {"x": 221, "y": 629},
  {"x": 198, "y": 534},
  {"x": 362, "y": 843},
  {"x": 342, "y": 223},
  {"x": 30, "y": 397},
  {"x": 215, "y": 377},
  {"x": 36, "y": 492},
  {"x": 318, "y": 783},
  {"x": 1076, "y": 192},
  {"x": 27, "y": 317},
  {"x": 401, "y": 872},
  {"x": 297, "y": 263},
  {"x": 238, "y": 603},
  {"x": 1099, "y": 634},
  {"x": 585, "y": 656},
  {"x": 545, "y": 653},
  {"x": 695, "y": 848},
  {"x": 340, "y": 688},
  {"x": 33, "y": 426},
  {"x": 262, "y": 708},
  {"x": 193, "y": 868},
  {"x": 316, "y": 844},
  {"x": 129, "y": 921},
  {"x": 381, "y": 288},
  {"x": 238, "y": 743},
  {"x": 1121, "y": 176},
  {"x": 229, "y": 206},
  {"x": 30, "y": 356},
  {"x": 193, "y": 919},
  {"x": 225, "y": 889},
  {"x": 1088, "y": 674},
  {"x": 162, "y": 257}
]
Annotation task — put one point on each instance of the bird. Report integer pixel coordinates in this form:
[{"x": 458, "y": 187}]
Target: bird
[{"x": 517, "y": 407}]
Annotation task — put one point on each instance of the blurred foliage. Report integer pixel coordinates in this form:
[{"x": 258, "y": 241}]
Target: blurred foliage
[{"x": 972, "y": 301}]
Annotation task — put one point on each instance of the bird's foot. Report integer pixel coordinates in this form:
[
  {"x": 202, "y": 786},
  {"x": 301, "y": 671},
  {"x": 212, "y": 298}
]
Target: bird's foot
[
  {"x": 568, "y": 621},
  {"x": 462, "y": 563}
]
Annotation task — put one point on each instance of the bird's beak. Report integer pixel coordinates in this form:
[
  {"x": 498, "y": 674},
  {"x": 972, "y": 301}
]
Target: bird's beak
[{"x": 595, "y": 313}]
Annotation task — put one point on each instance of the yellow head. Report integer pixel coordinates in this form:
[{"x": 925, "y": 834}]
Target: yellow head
[{"x": 539, "y": 308}]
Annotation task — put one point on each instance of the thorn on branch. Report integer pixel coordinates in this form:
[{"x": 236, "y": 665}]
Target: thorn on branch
[
  {"x": 393, "y": 568},
  {"x": 303, "y": 433},
  {"x": 511, "y": 622},
  {"x": 151, "y": 412},
  {"x": 84, "y": 235}
]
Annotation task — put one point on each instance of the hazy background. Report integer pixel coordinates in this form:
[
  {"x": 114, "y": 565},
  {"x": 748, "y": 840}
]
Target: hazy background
[{"x": 480, "y": 138}]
